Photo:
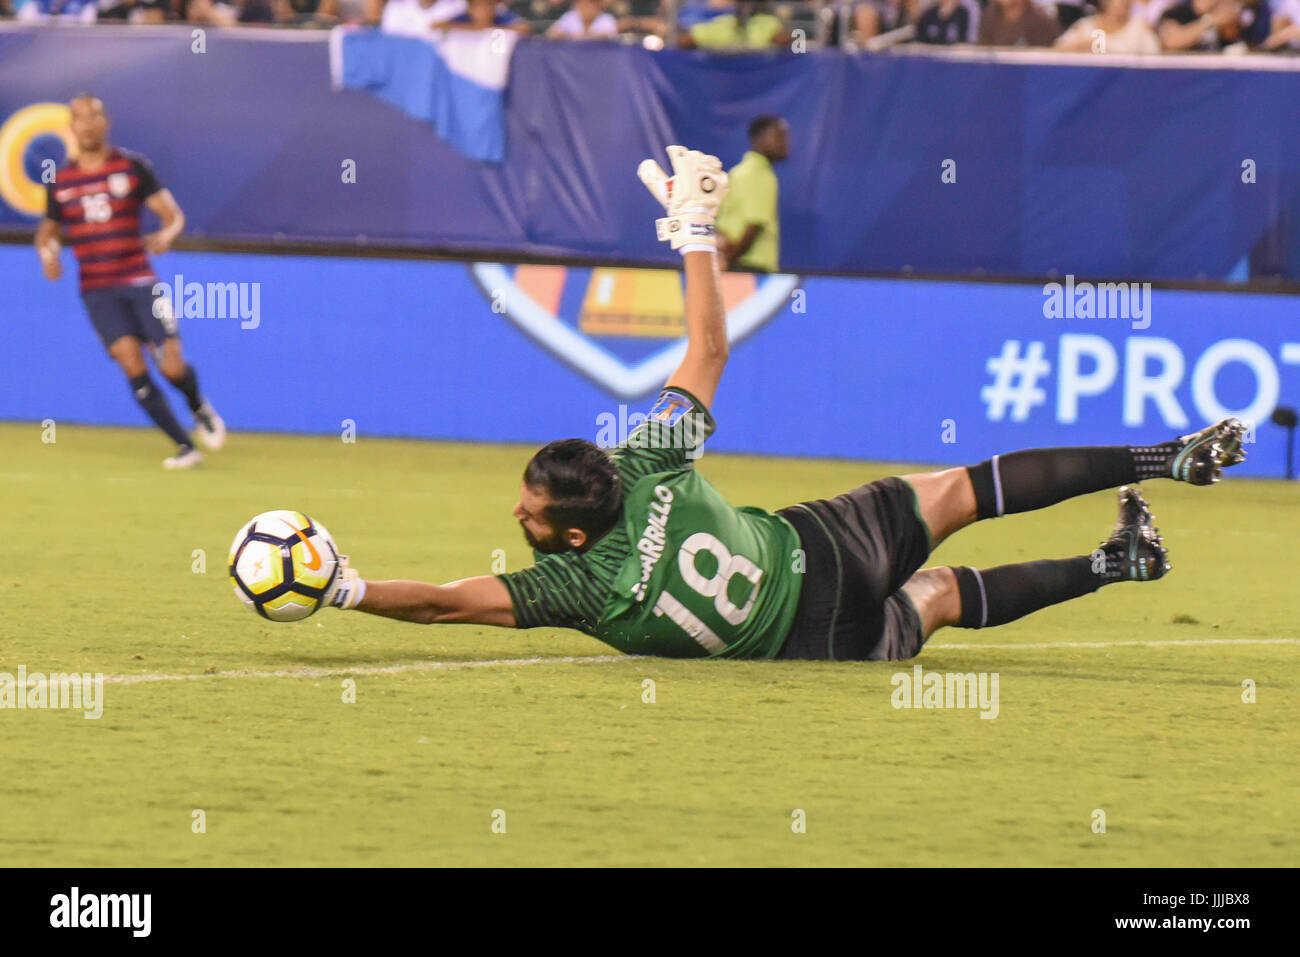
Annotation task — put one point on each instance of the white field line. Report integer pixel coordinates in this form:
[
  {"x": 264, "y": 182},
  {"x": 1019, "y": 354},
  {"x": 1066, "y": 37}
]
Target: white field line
[
  {"x": 419, "y": 666},
  {"x": 1127, "y": 644},
  {"x": 368, "y": 670}
]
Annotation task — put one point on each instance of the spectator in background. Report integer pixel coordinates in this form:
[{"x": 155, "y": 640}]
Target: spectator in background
[
  {"x": 329, "y": 12},
  {"x": 212, "y": 13},
  {"x": 1069, "y": 12},
  {"x": 875, "y": 17},
  {"x": 1256, "y": 23},
  {"x": 749, "y": 231},
  {"x": 485, "y": 15},
  {"x": 1117, "y": 29},
  {"x": 587, "y": 20},
  {"x": 1200, "y": 25},
  {"x": 57, "y": 11},
  {"x": 750, "y": 27},
  {"x": 1017, "y": 23},
  {"x": 944, "y": 23},
  {"x": 413, "y": 18},
  {"x": 691, "y": 12},
  {"x": 259, "y": 11},
  {"x": 208, "y": 13},
  {"x": 224, "y": 13},
  {"x": 1150, "y": 11},
  {"x": 1285, "y": 32},
  {"x": 134, "y": 11}
]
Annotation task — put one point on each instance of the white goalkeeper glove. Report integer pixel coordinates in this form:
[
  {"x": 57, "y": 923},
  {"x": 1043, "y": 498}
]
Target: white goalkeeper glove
[
  {"x": 691, "y": 196},
  {"x": 348, "y": 588}
]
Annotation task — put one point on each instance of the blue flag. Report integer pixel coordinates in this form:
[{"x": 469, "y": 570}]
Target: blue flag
[{"x": 455, "y": 82}]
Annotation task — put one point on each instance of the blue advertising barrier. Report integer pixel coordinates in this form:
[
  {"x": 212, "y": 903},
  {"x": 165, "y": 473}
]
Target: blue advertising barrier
[
  {"x": 894, "y": 370},
  {"x": 995, "y": 166}
]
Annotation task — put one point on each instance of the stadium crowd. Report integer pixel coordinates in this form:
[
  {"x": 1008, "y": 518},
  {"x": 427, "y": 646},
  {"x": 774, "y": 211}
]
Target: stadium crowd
[{"x": 1099, "y": 26}]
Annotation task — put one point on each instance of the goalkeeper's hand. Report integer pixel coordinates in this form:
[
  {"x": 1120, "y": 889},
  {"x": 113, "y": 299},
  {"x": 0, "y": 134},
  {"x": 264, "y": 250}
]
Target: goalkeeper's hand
[
  {"x": 348, "y": 588},
  {"x": 691, "y": 197}
]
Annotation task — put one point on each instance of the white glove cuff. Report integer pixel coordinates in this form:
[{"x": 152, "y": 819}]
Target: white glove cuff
[{"x": 348, "y": 593}]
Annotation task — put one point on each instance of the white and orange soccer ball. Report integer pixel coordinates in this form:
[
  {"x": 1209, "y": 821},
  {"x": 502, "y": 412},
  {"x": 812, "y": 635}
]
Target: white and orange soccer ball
[{"x": 282, "y": 564}]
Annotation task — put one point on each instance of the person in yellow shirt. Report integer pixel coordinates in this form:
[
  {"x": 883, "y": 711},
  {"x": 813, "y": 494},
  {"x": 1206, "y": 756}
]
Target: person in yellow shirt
[
  {"x": 750, "y": 27},
  {"x": 749, "y": 229}
]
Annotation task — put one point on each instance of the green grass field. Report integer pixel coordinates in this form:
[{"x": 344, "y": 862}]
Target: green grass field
[{"x": 208, "y": 707}]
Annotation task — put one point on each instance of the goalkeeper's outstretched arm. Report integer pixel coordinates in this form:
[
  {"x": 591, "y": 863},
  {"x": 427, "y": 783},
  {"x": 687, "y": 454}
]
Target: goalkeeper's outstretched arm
[
  {"x": 706, "y": 329},
  {"x": 478, "y": 601},
  {"x": 691, "y": 198}
]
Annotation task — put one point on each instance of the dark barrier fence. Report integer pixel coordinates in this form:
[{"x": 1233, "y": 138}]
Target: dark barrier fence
[{"x": 1155, "y": 171}]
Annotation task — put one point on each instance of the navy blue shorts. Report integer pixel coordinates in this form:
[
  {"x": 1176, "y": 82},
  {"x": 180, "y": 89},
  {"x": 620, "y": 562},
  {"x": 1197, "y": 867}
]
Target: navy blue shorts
[{"x": 129, "y": 311}]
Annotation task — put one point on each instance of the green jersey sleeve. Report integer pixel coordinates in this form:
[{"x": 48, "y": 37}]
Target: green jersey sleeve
[
  {"x": 557, "y": 590},
  {"x": 568, "y": 589},
  {"x": 669, "y": 439}
]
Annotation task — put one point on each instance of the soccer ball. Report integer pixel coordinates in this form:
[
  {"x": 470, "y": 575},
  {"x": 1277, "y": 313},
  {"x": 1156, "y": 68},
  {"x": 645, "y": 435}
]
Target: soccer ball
[{"x": 282, "y": 564}]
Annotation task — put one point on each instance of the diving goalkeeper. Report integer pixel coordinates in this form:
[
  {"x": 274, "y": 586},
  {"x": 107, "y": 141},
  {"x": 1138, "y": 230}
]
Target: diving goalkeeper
[{"x": 637, "y": 549}]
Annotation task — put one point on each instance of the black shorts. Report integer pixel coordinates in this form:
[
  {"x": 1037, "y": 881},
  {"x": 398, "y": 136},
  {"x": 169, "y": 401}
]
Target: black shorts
[
  {"x": 129, "y": 311},
  {"x": 859, "y": 550}
]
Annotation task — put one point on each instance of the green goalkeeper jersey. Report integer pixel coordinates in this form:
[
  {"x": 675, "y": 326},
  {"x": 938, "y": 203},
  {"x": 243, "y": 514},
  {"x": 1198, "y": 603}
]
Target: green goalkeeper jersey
[{"x": 683, "y": 574}]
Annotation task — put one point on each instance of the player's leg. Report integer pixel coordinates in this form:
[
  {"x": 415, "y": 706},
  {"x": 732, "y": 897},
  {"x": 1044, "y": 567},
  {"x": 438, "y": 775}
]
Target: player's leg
[
  {"x": 129, "y": 355},
  {"x": 155, "y": 324},
  {"x": 945, "y": 501},
  {"x": 935, "y": 596},
  {"x": 113, "y": 315},
  {"x": 177, "y": 371},
  {"x": 974, "y": 598},
  {"x": 984, "y": 598},
  {"x": 951, "y": 499}
]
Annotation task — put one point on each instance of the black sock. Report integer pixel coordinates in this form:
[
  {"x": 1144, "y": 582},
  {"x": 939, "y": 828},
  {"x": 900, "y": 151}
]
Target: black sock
[
  {"x": 1036, "y": 478},
  {"x": 155, "y": 403},
  {"x": 996, "y": 596},
  {"x": 188, "y": 384}
]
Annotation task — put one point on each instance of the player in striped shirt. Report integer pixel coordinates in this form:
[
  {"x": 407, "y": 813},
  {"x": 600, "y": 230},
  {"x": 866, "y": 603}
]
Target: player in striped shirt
[
  {"x": 96, "y": 200},
  {"x": 640, "y": 551}
]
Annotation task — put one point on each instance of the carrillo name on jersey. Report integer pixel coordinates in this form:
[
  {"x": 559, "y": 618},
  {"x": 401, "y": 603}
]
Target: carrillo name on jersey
[{"x": 651, "y": 543}]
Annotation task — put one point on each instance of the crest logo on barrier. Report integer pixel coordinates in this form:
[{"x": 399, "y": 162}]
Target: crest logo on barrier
[
  {"x": 29, "y": 137},
  {"x": 622, "y": 328}
]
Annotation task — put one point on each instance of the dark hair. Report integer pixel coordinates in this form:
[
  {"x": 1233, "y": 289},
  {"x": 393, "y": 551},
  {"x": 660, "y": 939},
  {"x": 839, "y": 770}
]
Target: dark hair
[
  {"x": 761, "y": 124},
  {"x": 583, "y": 484}
]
